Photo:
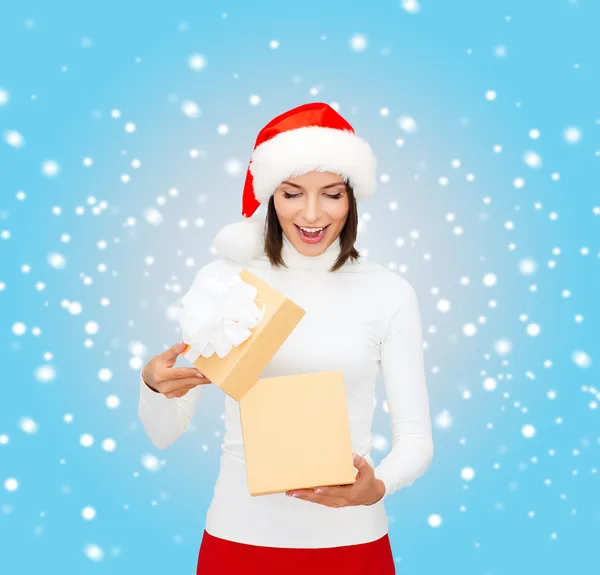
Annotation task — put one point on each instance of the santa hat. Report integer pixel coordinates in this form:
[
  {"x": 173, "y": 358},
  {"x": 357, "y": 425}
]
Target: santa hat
[{"x": 306, "y": 138}]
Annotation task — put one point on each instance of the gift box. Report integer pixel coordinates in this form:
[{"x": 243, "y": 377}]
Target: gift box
[
  {"x": 296, "y": 433},
  {"x": 234, "y": 326}
]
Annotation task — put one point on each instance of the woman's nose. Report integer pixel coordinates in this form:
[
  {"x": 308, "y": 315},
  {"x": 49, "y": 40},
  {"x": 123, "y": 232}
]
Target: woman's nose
[{"x": 312, "y": 210}]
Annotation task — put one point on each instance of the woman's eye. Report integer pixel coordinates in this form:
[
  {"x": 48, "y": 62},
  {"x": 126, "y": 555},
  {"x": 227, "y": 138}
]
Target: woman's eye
[{"x": 332, "y": 196}]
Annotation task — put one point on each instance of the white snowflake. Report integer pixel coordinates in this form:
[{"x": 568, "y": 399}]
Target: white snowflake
[
  {"x": 358, "y": 43},
  {"x": 197, "y": 62}
]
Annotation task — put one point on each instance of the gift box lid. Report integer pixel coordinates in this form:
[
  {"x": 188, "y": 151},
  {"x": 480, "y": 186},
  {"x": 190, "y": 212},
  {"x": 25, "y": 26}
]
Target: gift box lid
[{"x": 237, "y": 371}]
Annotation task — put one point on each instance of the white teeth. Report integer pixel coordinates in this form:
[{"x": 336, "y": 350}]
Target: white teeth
[{"x": 311, "y": 229}]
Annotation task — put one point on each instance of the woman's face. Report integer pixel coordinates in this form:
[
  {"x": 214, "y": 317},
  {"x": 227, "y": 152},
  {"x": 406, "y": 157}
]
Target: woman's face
[{"x": 312, "y": 210}]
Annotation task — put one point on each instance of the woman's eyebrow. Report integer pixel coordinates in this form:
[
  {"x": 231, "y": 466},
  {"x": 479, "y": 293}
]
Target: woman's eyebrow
[
  {"x": 293, "y": 185},
  {"x": 323, "y": 188}
]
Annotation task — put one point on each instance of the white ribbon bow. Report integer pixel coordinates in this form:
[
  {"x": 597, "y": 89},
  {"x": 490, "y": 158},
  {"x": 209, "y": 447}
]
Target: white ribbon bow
[{"x": 217, "y": 315}]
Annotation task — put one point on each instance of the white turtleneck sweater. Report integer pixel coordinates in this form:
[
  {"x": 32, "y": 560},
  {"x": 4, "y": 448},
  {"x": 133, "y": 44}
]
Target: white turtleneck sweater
[{"x": 359, "y": 319}]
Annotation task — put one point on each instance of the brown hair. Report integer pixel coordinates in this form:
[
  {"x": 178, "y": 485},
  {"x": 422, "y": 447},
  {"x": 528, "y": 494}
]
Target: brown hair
[{"x": 274, "y": 235}]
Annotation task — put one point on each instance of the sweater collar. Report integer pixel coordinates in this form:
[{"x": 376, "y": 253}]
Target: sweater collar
[{"x": 295, "y": 260}]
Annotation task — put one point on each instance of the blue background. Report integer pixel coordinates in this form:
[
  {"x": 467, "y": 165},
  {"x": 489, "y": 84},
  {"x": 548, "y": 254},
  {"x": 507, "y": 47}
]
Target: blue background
[{"x": 65, "y": 66}]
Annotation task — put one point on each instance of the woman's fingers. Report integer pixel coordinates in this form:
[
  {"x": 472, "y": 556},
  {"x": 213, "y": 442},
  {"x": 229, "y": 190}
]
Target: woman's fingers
[
  {"x": 328, "y": 501},
  {"x": 345, "y": 492},
  {"x": 173, "y": 385},
  {"x": 179, "y": 392},
  {"x": 176, "y": 373}
]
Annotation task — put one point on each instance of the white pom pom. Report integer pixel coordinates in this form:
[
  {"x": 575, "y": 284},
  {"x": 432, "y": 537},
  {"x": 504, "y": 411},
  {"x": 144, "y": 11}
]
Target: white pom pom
[{"x": 241, "y": 241}]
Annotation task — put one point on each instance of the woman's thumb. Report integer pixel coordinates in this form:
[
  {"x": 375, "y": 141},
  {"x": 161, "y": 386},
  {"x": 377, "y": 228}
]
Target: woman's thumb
[{"x": 176, "y": 349}]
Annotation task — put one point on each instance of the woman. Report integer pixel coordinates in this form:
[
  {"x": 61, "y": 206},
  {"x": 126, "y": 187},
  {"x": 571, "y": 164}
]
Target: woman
[{"x": 310, "y": 169}]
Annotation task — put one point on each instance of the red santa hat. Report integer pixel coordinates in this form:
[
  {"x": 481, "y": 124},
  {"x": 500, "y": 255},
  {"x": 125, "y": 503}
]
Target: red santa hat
[{"x": 306, "y": 138}]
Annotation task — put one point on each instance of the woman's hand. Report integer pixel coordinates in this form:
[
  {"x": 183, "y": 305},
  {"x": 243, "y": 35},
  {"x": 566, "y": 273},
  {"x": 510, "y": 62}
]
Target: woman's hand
[
  {"x": 366, "y": 490},
  {"x": 160, "y": 375}
]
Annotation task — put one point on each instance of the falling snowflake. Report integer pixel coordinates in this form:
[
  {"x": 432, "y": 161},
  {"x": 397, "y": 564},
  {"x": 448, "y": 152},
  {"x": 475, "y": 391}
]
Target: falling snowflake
[
  {"x": 581, "y": 359},
  {"x": 469, "y": 329},
  {"x": 532, "y": 159},
  {"x": 57, "y": 261},
  {"x": 11, "y": 484},
  {"x": 358, "y": 43},
  {"x": 112, "y": 401},
  {"x": 50, "y": 168},
  {"x": 109, "y": 445},
  {"x": 91, "y": 328},
  {"x": 45, "y": 373},
  {"x": 233, "y": 167},
  {"x": 467, "y": 473},
  {"x": 572, "y": 134},
  {"x": 14, "y": 138},
  {"x": 490, "y": 280},
  {"x": 444, "y": 419},
  {"x": 380, "y": 443},
  {"x": 190, "y": 109},
  {"x": 93, "y": 552},
  {"x": 86, "y": 440},
  {"x": 489, "y": 384},
  {"x": 528, "y": 431},
  {"x": 411, "y": 6},
  {"x": 502, "y": 347},
  {"x": 197, "y": 62},
  {"x": 153, "y": 216},
  {"x": 105, "y": 374},
  {"x": 150, "y": 462},
  {"x": 527, "y": 266},
  {"x": 407, "y": 124}
]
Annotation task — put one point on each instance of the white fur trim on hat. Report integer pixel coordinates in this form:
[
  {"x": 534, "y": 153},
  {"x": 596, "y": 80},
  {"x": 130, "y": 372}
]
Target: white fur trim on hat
[
  {"x": 296, "y": 152},
  {"x": 241, "y": 241}
]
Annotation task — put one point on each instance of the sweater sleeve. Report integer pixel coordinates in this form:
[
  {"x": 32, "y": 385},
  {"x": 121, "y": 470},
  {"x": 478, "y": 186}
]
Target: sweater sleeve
[
  {"x": 166, "y": 420},
  {"x": 402, "y": 367}
]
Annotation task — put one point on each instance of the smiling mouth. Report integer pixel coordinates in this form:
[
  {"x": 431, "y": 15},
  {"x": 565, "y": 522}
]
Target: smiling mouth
[{"x": 312, "y": 233}]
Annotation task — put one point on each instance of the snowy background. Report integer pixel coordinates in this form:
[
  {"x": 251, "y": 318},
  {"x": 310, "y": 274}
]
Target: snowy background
[{"x": 126, "y": 130}]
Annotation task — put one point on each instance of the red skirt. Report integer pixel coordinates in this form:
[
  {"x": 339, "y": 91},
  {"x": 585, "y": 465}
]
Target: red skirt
[{"x": 221, "y": 557}]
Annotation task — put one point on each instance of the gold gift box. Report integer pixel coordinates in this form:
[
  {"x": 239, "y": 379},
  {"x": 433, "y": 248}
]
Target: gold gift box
[{"x": 296, "y": 433}]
